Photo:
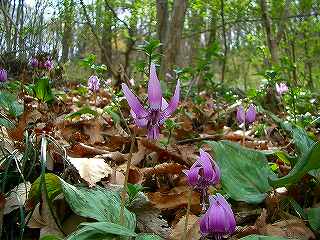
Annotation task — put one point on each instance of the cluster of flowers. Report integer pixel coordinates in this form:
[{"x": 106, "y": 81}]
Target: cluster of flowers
[
  {"x": 43, "y": 64},
  {"x": 94, "y": 83},
  {"x": 218, "y": 219}
]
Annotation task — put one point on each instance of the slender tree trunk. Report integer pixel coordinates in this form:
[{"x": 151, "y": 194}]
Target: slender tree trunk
[
  {"x": 162, "y": 19},
  {"x": 68, "y": 13},
  {"x": 224, "y": 60},
  {"x": 174, "y": 37},
  {"x": 106, "y": 40},
  {"x": 194, "y": 41},
  {"x": 271, "y": 42}
]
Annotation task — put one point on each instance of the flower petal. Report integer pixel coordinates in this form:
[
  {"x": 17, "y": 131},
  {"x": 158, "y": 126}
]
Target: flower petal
[
  {"x": 153, "y": 132},
  {"x": 192, "y": 175},
  {"x": 154, "y": 89},
  {"x": 240, "y": 115},
  {"x": 172, "y": 106},
  {"x": 134, "y": 102},
  {"x": 140, "y": 122},
  {"x": 251, "y": 114},
  {"x": 206, "y": 162}
]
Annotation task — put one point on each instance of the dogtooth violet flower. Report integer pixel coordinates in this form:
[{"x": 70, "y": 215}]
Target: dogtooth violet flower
[
  {"x": 158, "y": 111},
  {"x": 204, "y": 172},
  {"x": 281, "y": 88},
  {"x": 3, "y": 75},
  {"x": 249, "y": 116},
  {"x": 48, "y": 64},
  {"x": 219, "y": 219},
  {"x": 93, "y": 83},
  {"x": 34, "y": 62}
]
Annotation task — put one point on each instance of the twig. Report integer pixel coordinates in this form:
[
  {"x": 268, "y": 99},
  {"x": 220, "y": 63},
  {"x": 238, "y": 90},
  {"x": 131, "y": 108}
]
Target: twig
[
  {"x": 199, "y": 139},
  {"x": 125, "y": 184}
]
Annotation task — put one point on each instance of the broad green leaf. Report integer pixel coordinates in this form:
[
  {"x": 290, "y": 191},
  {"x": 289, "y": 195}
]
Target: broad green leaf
[
  {"x": 110, "y": 228},
  {"x": 42, "y": 90},
  {"x": 87, "y": 232},
  {"x": 50, "y": 237},
  {"x": 261, "y": 237},
  {"x": 314, "y": 218},
  {"x": 147, "y": 236},
  {"x": 98, "y": 203},
  {"x": 82, "y": 111},
  {"x": 52, "y": 184},
  {"x": 9, "y": 103},
  {"x": 6, "y": 123},
  {"x": 244, "y": 172},
  {"x": 306, "y": 162}
]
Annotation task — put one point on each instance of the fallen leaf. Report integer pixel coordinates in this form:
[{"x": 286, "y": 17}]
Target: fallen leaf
[
  {"x": 294, "y": 228},
  {"x": 17, "y": 197},
  {"x": 193, "y": 230},
  {"x": 176, "y": 198},
  {"x": 91, "y": 170}
]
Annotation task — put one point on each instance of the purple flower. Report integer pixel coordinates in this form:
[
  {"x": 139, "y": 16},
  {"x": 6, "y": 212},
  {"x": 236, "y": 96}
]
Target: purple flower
[
  {"x": 158, "y": 111},
  {"x": 3, "y": 75},
  {"x": 219, "y": 220},
  {"x": 204, "y": 172},
  {"x": 48, "y": 64},
  {"x": 241, "y": 115},
  {"x": 34, "y": 62},
  {"x": 94, "y": 83},
  {"x": 251, "y": 114},
  {"x": 281, "y": 88}
]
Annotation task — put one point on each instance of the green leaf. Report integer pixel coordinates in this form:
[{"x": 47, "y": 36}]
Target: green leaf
[
  {"x": 6, "y": 123},
  {"x": 42, "y": 90},
  {"x": 148, "y": 236},
  {"x": 98, "y": 203},
  {"x": 52, "y": 184},
  {"x": 308, "y": 161},
  {"x": 88, "y": 232},
  {"x": 261, "y": 237},
  {"x": 244, "y": 172},
  {"x": 110, "y": 228},
  {"x": 9, "y": 103},
  {"x": 314, "y": 218},
  {"x": 50, "y": 237},
  {"x": 82, "y": 111}
]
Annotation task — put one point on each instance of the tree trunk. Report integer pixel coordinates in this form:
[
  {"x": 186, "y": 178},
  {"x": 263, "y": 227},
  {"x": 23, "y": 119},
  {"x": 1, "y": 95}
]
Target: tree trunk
[
  {"x": 224, "y": 60},
  {"x": 271, "y": 42},
  {"x": 162, "y": 19},
  {"x": 194, "y": 41},
  {"x": 106, "y": 40},
  {"x": 68, "y": 13},
  {"x": 174, "y": 36}
]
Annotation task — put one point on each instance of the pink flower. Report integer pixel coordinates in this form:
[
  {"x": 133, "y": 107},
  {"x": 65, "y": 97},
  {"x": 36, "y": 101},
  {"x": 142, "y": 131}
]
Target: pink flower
[
  {"x": 249, "y": 116},
  {"x": 3, "y": 75},
  {"x": 158, "y": 111},
  {"x": 219, "y": 219},
  {"x": 94, "y": 83},
  {"x": 281, "y": 88}
]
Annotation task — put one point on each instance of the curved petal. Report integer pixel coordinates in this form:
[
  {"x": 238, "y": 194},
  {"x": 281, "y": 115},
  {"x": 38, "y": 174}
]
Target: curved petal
[
  {"x": 172, "y": 106},
  {"x": 154, "y": 132},
  {"x": 140, "y": 122},
  {"x": 206, "y": 162},
  {"x": 192, "y": 175},
  {"x": 240, "y": 115},
  {"x": 154, "y": 89},
  {"x": 251, "y": 114},
  {"x": 134, "y": 102}
]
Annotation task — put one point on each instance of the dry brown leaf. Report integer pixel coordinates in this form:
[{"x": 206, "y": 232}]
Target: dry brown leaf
[
  {"x": 193, "y": 230},
  {"x": 291, "y": 228},
  {"x": 176, "y": 198},
  {"x": 163, "y": 168},
  {"x": 91, "y": 170},
  {"x": 17, "y": 197}
]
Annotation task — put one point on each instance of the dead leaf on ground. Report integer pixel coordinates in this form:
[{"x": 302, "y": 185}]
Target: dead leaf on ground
[
  {"x": 163, "y": 168},
  {"x": 193, "y": 230},
  {"x": 17, "y": 197},
  {"x": 289, "y": 228},
  {"x": 91, "y": 170},
  {"x": 176, "y": 198}
]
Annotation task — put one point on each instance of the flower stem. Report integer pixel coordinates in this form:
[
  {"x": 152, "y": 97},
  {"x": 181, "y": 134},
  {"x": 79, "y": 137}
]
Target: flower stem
[
  {"x": 125, "y": 184},
  {"x": 187, "y": 215},
  {"x": 244, "y": 133}
]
